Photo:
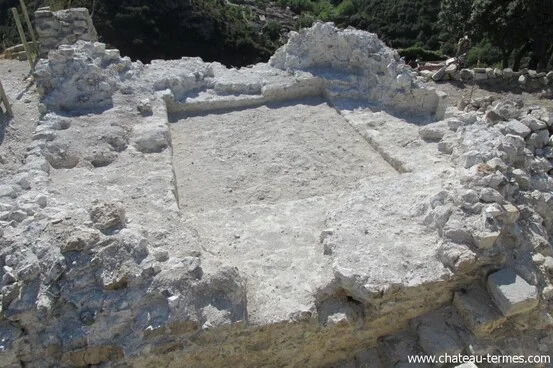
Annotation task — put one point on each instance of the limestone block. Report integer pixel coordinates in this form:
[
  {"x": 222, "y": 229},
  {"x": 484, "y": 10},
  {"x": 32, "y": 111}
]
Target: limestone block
[
  {"x": 107, "y": 215},
  {"x": 480, "y": 76},
  {"x": 471, "y": 158},
  {"x": 522, "y": 80},
  {"x": 522, "y": 178},
  {"x": 507, "y": 73},
  {"x": 508, "y": 109},
  {"x": 485, "y": 239},
  {"x": 478, "y": 311},
  {"x": 533, "y": 123},
  {"x": 433, "y": 132},
  {"x": 7, "y": 191},
  {"x": 538, "y": 139},
  {"x": 145, "y": 106},
  {"x": 533, "y": 74},
  {"x": 151, "y": 138},
  {"x": 490, "y": 195},
  {"x": 515, "y": 127},
  {"x": 436, "y": 337},
  {"x": 80, "y": 240},
  {"x": 511, "y": 293},
  {"x": 467, "y": 74},
  {"x": 453, "y": 124},
  {"x": 445, "y": 147},
  {"x": 498, "y": 164},
  {"x": 510, "y": 214},
  {"x": 492, "y": 117}
]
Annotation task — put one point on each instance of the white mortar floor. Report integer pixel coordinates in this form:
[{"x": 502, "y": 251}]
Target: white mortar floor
[
  {"x": 257, "y": 185},
  {"x": 269, "y": 154}
]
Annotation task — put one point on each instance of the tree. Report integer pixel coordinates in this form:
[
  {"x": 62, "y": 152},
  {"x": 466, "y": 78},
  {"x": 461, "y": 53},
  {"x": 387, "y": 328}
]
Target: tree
[
  {"x": 499, "y": 22},
  {"x": 537, "y": 22},
  {"x": 454, "y": 17},
  {"x": 521, "y": 25}
]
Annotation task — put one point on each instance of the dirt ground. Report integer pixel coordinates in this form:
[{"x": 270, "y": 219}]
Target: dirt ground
[
  {"x": 16, "y": 133},
  {"x": 269, "y": 154}
]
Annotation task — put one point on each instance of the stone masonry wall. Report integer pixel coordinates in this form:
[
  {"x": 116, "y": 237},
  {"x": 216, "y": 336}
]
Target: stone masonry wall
[{"x": 63, "y": 27}]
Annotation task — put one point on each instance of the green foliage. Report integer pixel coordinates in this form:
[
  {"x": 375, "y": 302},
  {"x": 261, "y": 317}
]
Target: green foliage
[
  {"x": 417, "y": 52},
  {"x": 399, "y": 23},
  {"x": 305, "y": 21},
  {"x": 513, "y": 32},
  {"x": 448, "y": 48},
  {"x": 272, "y": 30},
  {"x": 454, "y": 17},
  {"x": 58, "y": 4},
  {"x": 297, "y": 6},
  {"x": 484, "y": 54},
  {"x": 514, "y": 27},
  {"x": 347, "y": 8}
]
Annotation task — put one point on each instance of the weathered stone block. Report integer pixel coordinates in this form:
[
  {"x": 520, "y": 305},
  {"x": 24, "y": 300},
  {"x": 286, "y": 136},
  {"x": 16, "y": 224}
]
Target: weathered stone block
[
  {"x": 511, "y": 293},
  {"x": 436, "y": 337},
  {"x": 480, "y": 76},
  {"x": 478, "y": 311},
  {"x": 533, "y": 123},
  {"x": 433, "y": 132},
  {"x": 515, "y": 127},
  {"x": 467, "y": 74}
]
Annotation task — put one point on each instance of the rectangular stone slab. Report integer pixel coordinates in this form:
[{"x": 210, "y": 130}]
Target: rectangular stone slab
[{"x": 511, "y": 293}]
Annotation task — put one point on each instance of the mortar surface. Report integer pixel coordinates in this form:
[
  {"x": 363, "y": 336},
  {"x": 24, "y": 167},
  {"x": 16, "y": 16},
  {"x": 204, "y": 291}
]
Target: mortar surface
[{"x": 269, "y": 154}]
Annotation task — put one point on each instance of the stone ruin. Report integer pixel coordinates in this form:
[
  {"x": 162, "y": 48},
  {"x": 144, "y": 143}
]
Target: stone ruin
[
  {"x": 63, "y": 27},
  {"x": 325, "y": 209}
]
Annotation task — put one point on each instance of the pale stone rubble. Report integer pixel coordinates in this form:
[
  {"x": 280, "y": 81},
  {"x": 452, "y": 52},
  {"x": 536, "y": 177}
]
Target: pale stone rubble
[{"x": 452, "y": 254}]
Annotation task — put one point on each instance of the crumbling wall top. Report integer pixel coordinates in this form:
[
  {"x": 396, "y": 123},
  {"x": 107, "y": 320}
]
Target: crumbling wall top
[{"x": 63, "y": 27}]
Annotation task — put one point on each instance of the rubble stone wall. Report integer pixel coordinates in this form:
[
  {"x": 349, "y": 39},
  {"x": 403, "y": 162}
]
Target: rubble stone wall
[
  {"x": 528, "y": 80},
  {"x": 63, "y": 27},
  {"x": 356, "y": 64}
]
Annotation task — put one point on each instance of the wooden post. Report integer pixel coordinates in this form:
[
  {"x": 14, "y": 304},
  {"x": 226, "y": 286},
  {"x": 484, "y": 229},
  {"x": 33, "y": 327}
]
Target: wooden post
[
  {"x": 5, "y": 100},
  {"x": 23, "y": 38},
  {"x": 29, "y": 26}
]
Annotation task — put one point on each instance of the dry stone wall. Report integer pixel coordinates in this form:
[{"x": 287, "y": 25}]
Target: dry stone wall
[
  {"x": 64, "y": 27},
  {"x": 528, "y": 80}
]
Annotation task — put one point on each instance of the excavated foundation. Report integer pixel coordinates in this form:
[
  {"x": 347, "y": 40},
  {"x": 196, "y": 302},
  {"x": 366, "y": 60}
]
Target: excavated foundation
[{"x": 182, "y": 214}]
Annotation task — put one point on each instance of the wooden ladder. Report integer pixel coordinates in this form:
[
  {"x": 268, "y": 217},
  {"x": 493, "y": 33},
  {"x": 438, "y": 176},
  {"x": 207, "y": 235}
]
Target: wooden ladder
[
  {"x": 4, "y": 99},
  {"x": 30, "y": 52}
]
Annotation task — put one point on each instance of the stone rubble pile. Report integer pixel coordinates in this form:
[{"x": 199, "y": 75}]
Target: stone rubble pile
[
  {"x": 499, "y": 219},
  {"x": 84, "y": 75},
  {"x": 355, "y": 64},
  {"x": 64, "y": 27}
]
